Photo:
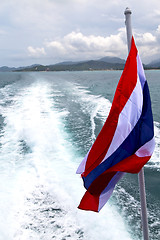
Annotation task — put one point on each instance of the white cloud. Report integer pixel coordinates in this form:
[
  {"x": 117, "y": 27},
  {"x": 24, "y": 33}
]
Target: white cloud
[
  {"x": 29, "y": 22},
  {"x": 36, "y": 52},
  {"x": 76, "y": 45},
  {"x": 158, "y": 29},
  {"x": 79, "y": 46},
  {"x": 148, "y": 45},
  {"x": 145, "y": 38},
  {"x": 57, "y": 46}
]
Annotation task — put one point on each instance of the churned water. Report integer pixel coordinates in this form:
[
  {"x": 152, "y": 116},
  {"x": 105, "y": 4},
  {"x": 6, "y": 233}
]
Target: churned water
[{"x": 48, "y": 121}]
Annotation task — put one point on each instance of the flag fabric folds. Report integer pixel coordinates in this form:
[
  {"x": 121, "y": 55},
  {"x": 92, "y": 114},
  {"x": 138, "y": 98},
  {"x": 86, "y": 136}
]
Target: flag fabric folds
[{"x": 126, "y": 141}]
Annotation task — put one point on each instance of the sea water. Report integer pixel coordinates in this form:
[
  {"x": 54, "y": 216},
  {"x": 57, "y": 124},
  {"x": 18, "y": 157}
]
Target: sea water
[{"x": 48, "y": 122}]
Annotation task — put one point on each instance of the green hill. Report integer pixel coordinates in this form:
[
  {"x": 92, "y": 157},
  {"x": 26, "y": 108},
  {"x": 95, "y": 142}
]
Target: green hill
[{"x": 81, "y": 66}]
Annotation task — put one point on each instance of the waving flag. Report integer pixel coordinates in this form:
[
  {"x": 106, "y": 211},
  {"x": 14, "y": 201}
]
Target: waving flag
[{"x": 126, "y": 141}]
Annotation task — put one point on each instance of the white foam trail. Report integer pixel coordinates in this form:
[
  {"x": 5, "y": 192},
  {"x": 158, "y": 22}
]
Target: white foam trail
[
  {"x": 45, "y": 176},
  {"x": 31, "y": 119},
  {"x": 154, "y": 162},
  {"x": 93, "y": 105}
]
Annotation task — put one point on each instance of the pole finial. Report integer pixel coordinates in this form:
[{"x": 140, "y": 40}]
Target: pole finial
[{"x": 127, "y": 11}]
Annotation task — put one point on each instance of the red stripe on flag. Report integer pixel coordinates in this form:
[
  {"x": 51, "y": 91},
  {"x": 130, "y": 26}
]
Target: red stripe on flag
[
  {"x": 100, "y": 183},
  {"x": 89, "y": 202},
  {"x": 132, "y": 164}
]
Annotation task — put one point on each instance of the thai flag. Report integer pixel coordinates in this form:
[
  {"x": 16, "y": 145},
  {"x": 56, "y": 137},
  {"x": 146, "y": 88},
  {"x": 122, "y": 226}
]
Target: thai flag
[{"x": 126, "y": 141}]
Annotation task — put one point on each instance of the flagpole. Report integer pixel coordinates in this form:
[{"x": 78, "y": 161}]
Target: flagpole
[{"x": 141, "y": 173}]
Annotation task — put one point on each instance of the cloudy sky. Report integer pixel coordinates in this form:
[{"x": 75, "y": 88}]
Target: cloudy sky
[{"x": 51, "y": 31}]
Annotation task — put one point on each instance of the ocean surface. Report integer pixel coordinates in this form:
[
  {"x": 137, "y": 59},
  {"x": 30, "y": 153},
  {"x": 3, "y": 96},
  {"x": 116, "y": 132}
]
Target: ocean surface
[{"x": 48, "y": 121}]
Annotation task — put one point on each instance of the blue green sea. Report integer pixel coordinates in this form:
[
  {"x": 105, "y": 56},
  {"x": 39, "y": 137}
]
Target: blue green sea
[{"x": 48, "y": 122}]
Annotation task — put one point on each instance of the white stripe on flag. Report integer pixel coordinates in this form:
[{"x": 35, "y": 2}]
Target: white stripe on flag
[
  {"x": 107, "y": 192},
  {"x": 127, "y": 118},
  {"x": 147, "y": 149},
  {"x": 82, "y": 165}
]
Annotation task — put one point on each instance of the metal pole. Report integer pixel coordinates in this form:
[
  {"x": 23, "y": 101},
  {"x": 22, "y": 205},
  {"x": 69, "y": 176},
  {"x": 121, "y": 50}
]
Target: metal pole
[
  {"x": 141, "y": 173},
  {"x": 143, "y": 205},
  {"x": 128, "y": 27}
]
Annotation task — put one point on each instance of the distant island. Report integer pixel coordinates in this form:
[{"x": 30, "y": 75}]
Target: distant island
[{"x": 105, "y": 63}]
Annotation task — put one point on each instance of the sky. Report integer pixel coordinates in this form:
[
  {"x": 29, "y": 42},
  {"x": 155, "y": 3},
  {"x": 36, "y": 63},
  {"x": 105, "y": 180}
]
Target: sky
[{"x": 51, "y": 31}]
